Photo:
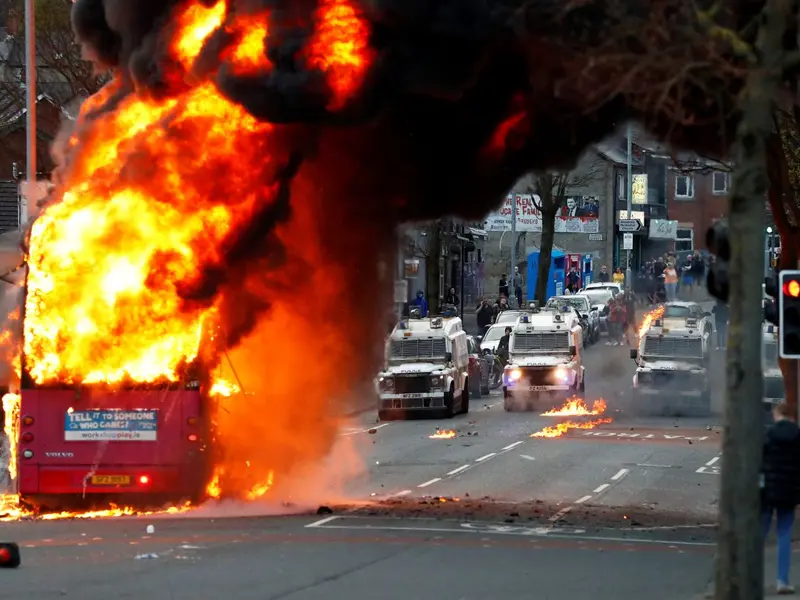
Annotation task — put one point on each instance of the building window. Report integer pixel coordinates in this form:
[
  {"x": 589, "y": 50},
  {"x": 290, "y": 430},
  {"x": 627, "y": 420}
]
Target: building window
[
  {"x": 684, "y": 241},
  {"x": 684, "y": 186},
  {"x": 719, "y": 183}
]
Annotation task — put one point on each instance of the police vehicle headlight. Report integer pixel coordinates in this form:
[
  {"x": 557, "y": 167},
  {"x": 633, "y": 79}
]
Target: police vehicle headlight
[
  {"x": 514, "y": 374},
  {"x": 437, "y": 381},
  {"x": 561, "y": 374},
  {"x": 386, "y": 383}
]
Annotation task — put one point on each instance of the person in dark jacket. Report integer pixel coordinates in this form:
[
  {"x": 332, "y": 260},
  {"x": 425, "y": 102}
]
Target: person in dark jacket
[
  {"x": 780, "y": 486},
  {"x": 603, "y": 276}
]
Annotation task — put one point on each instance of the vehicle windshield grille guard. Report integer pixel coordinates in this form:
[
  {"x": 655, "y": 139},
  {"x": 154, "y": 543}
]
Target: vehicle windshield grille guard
[
  {"x": 540, "y": 342},
  {"x": 417, "y": 348},
  {"x": 673, "y": 347}
]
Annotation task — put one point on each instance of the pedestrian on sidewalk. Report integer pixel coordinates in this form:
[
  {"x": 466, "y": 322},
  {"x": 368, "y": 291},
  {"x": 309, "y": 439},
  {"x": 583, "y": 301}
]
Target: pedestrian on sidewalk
[{"x": 780, "y": 486}]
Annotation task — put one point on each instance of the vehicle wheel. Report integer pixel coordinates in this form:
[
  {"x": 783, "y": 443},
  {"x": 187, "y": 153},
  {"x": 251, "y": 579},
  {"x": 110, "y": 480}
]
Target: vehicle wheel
[
  {"x": 475, "y": 389},
  {"x": 383, "y": 415},
  {"x": 508, "y": 404},
  {"x": 582, "y": 386},
  {"x": 465, "y": 400},
  {"x": 449, "y": 400},
  {"x": 485, "y": 388}
]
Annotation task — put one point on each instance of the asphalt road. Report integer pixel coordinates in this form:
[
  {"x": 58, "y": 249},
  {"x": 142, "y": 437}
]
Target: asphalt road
[{"x": 622, "y": 511}]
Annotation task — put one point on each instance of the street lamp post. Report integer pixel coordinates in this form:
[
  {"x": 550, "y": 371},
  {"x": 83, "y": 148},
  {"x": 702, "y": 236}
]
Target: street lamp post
[
  {"x": 628, "y": 274},
  {"x": 767, "y": 248},
  {"x": 30, "y": 116}
]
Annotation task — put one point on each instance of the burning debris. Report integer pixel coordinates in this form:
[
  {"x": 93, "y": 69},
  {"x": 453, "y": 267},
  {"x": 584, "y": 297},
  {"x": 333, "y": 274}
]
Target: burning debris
[
  {"x": 443, "y": 434},
  {"x": 648, "y": 318},
  {"x": 574, "y": 407}
]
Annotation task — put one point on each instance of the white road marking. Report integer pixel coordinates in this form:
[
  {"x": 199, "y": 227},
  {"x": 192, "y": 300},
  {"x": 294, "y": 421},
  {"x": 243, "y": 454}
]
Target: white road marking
[
  {"x": 322, "y": 522},
  {"x": 403, "y": 493},
  {"x": 526, "y": 457},
  {"x": 561, "y": 513},
  {"x": 709, "y": 470},
  {"x": 620, "y": 474},
  {"x": 459, "y": 469},
  {"x": 654, "y": 466},
  {"x": 431, "y": 482},
  {"x": 367, "y": 430},
  {"x": 582, "y": 500},
  {"x": 488, "y": 456},
  {"x": 712, "y": 461},
  {"x": 514, "y": 445},
  {"x": 527, "y": 533},
  {"x": 602, "y": 487}
]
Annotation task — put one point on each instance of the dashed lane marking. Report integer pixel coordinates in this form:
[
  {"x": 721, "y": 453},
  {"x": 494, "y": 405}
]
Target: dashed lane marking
[
  {"x": 322, "y": 522},
  {"x": 459, "y": 469},
  {"x": 514, "y": 445},
  {"x": 712, "y": 461},
  {"x": 584, "y": 499},
  {"x": 431, "y": 482},
  {"x": 620, "y": 474},
  {"x": 486, "y": 457},
  {"x": 526, "y": 457},
  {"x": 599, "y": 489},
  {"x": 560, "y": 514},
  {"x": 403, "y": 493}
]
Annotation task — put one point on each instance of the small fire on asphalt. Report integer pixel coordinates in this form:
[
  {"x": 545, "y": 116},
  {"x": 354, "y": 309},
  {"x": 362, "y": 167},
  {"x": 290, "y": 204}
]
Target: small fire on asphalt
[
  {"x": 443, "y": 434},
  {"x": 574, "y": 407},
  {"x": 577, "y": 407}
]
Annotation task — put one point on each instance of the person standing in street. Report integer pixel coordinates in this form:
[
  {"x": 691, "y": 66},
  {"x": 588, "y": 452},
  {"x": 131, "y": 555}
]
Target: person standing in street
[
  {"x": 603, "y": 276},
  {"x": 503, "y": 286},
  {"x": 618, "y": 277},
  {"x": 484, "y": 315},
  {"x": 780, "y": 484},
  {"x": 516, "y": 280},
  {"x": 671, "y": 281}
]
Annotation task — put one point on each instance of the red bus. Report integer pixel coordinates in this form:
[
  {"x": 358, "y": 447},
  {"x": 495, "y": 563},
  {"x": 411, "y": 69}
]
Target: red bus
[{"x": 134, "y": 444}]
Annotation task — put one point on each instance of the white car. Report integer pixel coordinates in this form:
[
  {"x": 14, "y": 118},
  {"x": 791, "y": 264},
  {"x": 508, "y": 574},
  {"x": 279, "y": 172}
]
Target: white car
[
  {"x": 491, "y": 338},
  {"x": 586, "y": 312},
  {"x": 508, "y": 316},
  {"x": 599, "y": 298},
  {"x": 676, "y": 313},
  {"x": 616, "y": 288}
]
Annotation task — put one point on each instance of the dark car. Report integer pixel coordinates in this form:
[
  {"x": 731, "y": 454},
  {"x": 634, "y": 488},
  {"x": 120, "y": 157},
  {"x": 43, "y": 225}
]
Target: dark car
[{"x": 480, "y": 368}]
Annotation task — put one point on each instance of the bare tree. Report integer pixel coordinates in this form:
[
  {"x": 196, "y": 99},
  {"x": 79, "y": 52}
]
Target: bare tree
[
  {"x": 63, "y": 77},
  {"x": 550, "y": 191}
]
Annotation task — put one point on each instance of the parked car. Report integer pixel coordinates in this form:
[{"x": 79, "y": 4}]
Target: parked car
[
  {"x": 599, "y": 299},
  {"x": 616, "y": 288},
  {"x": 492, "y": 336},
  {"x": 589, "y": 315},
  {"x": 480, "y": 368}
]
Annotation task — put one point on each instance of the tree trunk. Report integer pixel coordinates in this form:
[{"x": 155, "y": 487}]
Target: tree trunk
[
  {"x": 739, "y": 565},
  {"x": 782, "y": 198},
  {"x": 545, "y": 253}
]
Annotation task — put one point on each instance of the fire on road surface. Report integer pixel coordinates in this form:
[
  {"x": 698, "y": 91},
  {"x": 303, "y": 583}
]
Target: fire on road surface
[{"x": 574, "y": 407}]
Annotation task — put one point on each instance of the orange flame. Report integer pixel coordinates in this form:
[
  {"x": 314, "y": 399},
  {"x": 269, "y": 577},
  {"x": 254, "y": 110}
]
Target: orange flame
[
  {"x": 153, "y": 192},
  {"x": 562, "y": 428},
  {"x": 443, "y": 434},
  {"x": 576, "y": 407},
  {"x": 340, "y": 47},
  {"x": 11, "y": 404},
  {"x": 648, "y": 319},
  {"x": 223, "y": 388}
]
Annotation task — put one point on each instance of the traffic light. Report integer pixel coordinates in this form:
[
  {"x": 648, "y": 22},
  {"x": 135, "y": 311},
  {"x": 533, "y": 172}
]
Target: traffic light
[
  {"x": 9, "y": 555},
  {"x": 771, "y": 303},
  {"x": 718, "y": 244},
  {"x": 789, "y": 314}
]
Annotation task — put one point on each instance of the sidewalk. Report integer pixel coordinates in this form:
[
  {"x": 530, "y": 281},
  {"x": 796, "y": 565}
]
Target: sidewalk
[{"x": 770, "y": 574}]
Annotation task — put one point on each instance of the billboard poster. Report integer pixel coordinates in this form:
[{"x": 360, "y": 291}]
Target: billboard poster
[{"x": 580, "y": 214}]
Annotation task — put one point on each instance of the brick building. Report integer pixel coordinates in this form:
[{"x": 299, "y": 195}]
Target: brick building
[{"x": 696, "y": 199}]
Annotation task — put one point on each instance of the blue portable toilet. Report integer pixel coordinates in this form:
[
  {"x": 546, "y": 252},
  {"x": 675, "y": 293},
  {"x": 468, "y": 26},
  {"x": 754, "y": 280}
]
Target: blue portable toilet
[
  {"x": 587, "y": 269},
  {"x": 555, "y": 280}
]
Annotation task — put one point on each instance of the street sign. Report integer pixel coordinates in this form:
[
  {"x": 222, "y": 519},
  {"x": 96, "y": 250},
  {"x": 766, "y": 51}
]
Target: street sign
[
  {"x": 595, "y": 237},
  {"x": 627, "y": 241},
  {"x": 629, "y": 225}
]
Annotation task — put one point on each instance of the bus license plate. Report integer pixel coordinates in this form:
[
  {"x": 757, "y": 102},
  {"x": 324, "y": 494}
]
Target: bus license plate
[{"x": 111, "y": 480}]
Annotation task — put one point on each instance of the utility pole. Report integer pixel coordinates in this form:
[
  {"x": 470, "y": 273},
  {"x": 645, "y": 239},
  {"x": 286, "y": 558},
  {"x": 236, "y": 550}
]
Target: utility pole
[
  {"x": 510, "y": 281},
  {"x": 628, "y": 275},
  {"x": 740, "y": 552},
  {"x": 30, "y": 115}
]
